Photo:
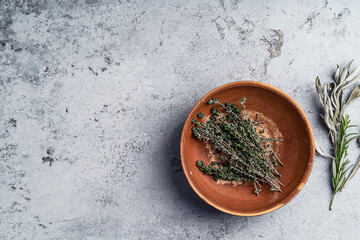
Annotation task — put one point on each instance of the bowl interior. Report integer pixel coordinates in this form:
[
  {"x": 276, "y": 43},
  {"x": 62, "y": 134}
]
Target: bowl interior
[{"x": 283, "y": 118}]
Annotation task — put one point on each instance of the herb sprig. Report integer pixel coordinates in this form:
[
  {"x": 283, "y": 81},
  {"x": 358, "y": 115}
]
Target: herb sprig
[
  {"x": 340, "y": 163},
  {"x": 331, "y": 97},
  {"x": 245, "y": 154}
]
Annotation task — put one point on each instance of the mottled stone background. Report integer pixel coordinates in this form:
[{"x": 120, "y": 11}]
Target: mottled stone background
[{"x": 93, "y": 96}]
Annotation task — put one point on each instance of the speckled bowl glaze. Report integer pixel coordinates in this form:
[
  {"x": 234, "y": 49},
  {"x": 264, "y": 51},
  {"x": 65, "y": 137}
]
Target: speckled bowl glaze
[{"x": 284, "y": 119}]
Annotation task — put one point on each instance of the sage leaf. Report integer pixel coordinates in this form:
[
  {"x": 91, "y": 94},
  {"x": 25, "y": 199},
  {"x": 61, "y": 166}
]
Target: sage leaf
[
  {"x": 318, "y": 85},
  {"x": 337, "y": 74},
  {"x": 354, "y": 73},
  {"x": 320, "y": 151},
  {"x": 354, "y": 95}
]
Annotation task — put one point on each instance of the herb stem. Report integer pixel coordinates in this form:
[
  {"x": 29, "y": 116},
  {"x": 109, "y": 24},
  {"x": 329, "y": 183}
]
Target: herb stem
[{"x": 332, "y": 201}]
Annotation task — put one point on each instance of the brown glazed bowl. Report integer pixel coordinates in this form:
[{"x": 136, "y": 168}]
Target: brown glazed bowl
[{"x": 284, "y": 119}]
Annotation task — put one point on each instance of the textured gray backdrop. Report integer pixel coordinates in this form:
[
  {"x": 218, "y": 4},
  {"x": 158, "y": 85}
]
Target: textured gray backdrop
[{"x": 99, "y": 91}]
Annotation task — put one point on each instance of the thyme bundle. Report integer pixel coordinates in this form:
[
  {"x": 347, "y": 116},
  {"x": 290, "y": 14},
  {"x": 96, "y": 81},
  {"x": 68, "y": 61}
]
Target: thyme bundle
[
  {"x": 245, "y": 153},
  {"x": 333, "y": 103}
]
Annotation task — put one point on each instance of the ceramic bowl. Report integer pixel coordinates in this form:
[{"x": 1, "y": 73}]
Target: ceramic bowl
[{"x": 284, "y": 119}]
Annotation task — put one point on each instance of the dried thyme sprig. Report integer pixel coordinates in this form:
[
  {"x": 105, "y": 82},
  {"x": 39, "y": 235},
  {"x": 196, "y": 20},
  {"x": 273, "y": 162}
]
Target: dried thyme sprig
[
  {"x": 333, "y": 103},
  {"x": 340, "y": 163},
  {"x": 245, "y": 154}
]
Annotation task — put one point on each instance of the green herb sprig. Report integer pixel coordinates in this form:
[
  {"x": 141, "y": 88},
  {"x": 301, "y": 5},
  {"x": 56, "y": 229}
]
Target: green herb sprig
[
  {"x": 340, "y": 163},
  {"x": 245, "y": 154}
]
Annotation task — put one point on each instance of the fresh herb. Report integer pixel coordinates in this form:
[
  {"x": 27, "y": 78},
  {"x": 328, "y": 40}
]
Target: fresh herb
[
  {"x": 340, "y": 163},
  {"x": 245, "y": 154},
  {"x": 331, "y": 97}
]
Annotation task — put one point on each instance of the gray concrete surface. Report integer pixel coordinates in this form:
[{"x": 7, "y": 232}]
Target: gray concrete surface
[{"x": 99, "y": 91}]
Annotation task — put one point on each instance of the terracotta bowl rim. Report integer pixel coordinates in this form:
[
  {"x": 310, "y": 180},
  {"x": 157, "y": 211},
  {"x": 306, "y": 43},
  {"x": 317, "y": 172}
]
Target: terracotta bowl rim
[{"x": 286, "y": 97}]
